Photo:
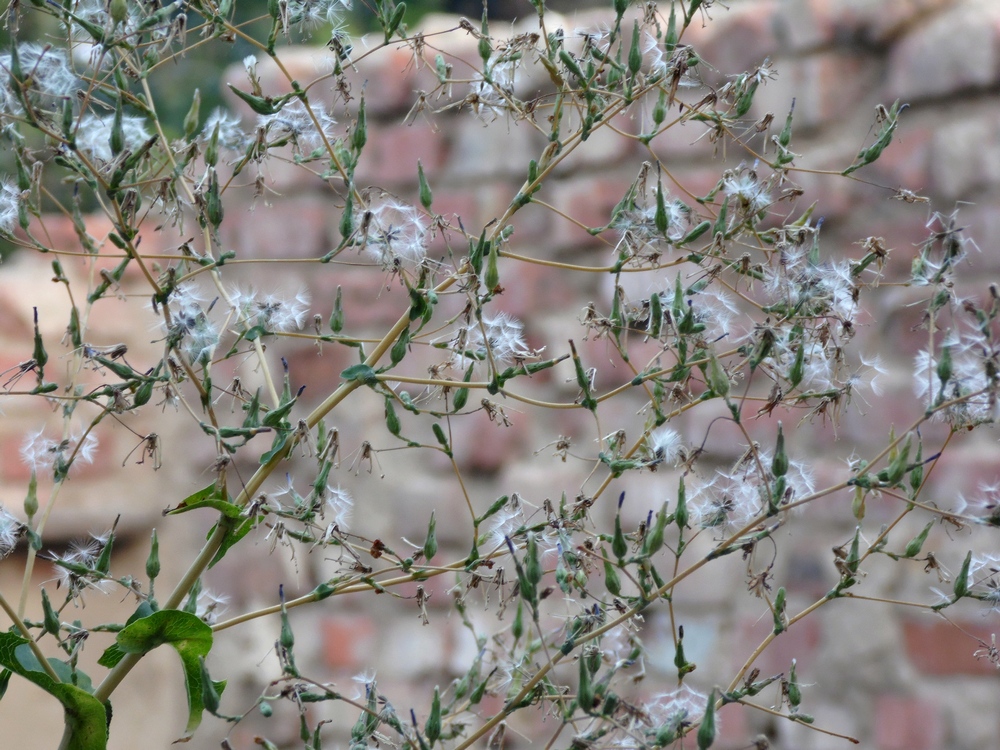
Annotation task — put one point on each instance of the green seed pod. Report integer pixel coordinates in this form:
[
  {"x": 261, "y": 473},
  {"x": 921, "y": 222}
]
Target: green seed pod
[
  {"x": 485, "y": 46},
  {"x": 337, "y": 316},
  {"x": 31, "y": 499},
  {"x": 359, "y": 136},
  {"x": 491, "y": 280},
  {"x": 432, "y": 729},
  {"x": 914, "y": 546},
  {"x": 798, "y": 369},
  {"x": 265, "y": 709},
  {"x": 191, "y": 118},
  {"x": 779, "y": 464},
  {"x": 717, "y": 379},
  {"x": 786, "y": 133},
  {"x": 50, "y": 620},
  {"x": 655, "y": 316},
  {"x": 670, "y": 38},
  {"x": 681, "y": 514},
  {"x": 695, "y": 233},
  {"x": 214, "y": 210},
  {"x": 660, "y": 217},
  {"x": 153, "y": 561},
  {"x": 439, "y": 434},
  {"x": 618, "y": 544},
  {"x": 394, "y": 21},
  {"x": 391, "y": 419},
  {"x": 660, "y": 109},
  {"x": 118, "y": 10},
  {"x": 532, "y": 564},
  {"x": 635, "y": 51},
  {"x": 654, "y": 536},
  {"x": 917, "y": 473},
  {"x": 517, "y": 628},
  {"x": 706, "y": 732},
  {"x": 944, "y": 367},
  {"x": 779, "y": 611},
  {"x": 430, "y": 544},
  {"x": 611, "y": 580},
  {"x": 117, "y": 138},
  {"x": 143, "y": 393},
  {"x": 794, "y": 691},
  {"x": 426, "y": 196},
  {"x": 347, "y": 217},
  {"x": 962, "y": 579},
  {"x": 400, "y": 348},
  {"x": 897, "y": 468}
]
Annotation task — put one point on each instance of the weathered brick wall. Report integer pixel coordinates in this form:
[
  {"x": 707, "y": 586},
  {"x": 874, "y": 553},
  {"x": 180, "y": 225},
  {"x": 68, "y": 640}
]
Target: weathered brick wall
[{"x": 897, "y": 679}]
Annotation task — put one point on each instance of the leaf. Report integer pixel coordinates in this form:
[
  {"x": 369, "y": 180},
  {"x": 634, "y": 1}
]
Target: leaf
[
  {"x": 362, "y": 373},
  {"x": 226, "y": 508},
  {"x": 233, "y": 535},
  {"x": 189, "y": 636},
  {"x": 86, "y": 717}
]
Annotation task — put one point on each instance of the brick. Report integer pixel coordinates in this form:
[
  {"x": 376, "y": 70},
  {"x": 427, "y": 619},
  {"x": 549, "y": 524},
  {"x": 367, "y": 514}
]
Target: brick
[
  {"x": 810, "y": 24},
  {"x": 954, "y": 51},
  {"x": 494, "y": 148},
  {"x": 589, "y": 201},
  {"x": 389, "y": 159},
  {"x": 349, "y": 640},
  {"x": 936, "y": 647},
  {"x": 822, "y": 85},
  {"x": 740, "y": 40},
  {"x": 965, "y": 156},
  {"x": 905, "y": 722}
]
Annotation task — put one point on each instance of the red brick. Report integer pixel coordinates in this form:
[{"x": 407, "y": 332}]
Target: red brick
[
  {"x": 590, "y": 201},
  {"x": 937, "y": 647},
  {"x": 952, "y": 52},
  {"x": 908, "y": 723},
  {"x": 739, "y": 40},
  {"x": 390, "y": 157},
  {"x": 348, "y": 640}
]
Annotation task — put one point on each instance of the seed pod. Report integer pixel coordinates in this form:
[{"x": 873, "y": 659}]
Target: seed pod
[
  {"x": 430, "y": 544},
  {"x": 532, "y": 565},
  {"x": 153, "y": 561},
  {"x": 654, "y": 537},
  {"x": 914, "y": 546},
  {"x": 611, "y": 580},
  {"x": 681, "y": 514},
  {"x": 706, "y": 732},
  {"x": 426, "y": 196},
  {"x": 634, "y": 51},
  {"x": 191, "y": 118},
  {"x": 432, "y": 729},
  {"x": 779, "y": 464}
]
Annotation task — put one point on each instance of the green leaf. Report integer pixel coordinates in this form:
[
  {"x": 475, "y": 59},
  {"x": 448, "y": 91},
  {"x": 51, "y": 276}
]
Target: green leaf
[
  {"x": 189, "y": 636},
  {"x": 86, "y": 717},
  {"x": 234, "y": 535},
  {"x": 226, "y": 508},
  {"x": 206, "y": 497},
  {"x": 361, "y": 372}
]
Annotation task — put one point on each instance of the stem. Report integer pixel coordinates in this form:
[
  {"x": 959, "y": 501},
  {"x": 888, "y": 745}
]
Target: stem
[
  {"x": 214, "y": 542},
  {"x": 19, "y": 624}
]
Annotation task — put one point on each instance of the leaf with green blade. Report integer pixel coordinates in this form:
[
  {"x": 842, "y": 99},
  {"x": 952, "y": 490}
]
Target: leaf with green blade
[
  {"x": 86, "y": 717},
  {"x": 189, "y": 636}
]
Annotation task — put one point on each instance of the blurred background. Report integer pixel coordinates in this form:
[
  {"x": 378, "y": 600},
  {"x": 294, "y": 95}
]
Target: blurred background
[{"x": 898, "y": 679}]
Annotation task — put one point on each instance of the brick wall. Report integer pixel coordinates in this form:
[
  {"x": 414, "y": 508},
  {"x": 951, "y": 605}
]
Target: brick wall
[{"x": 892, "y": 677}]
